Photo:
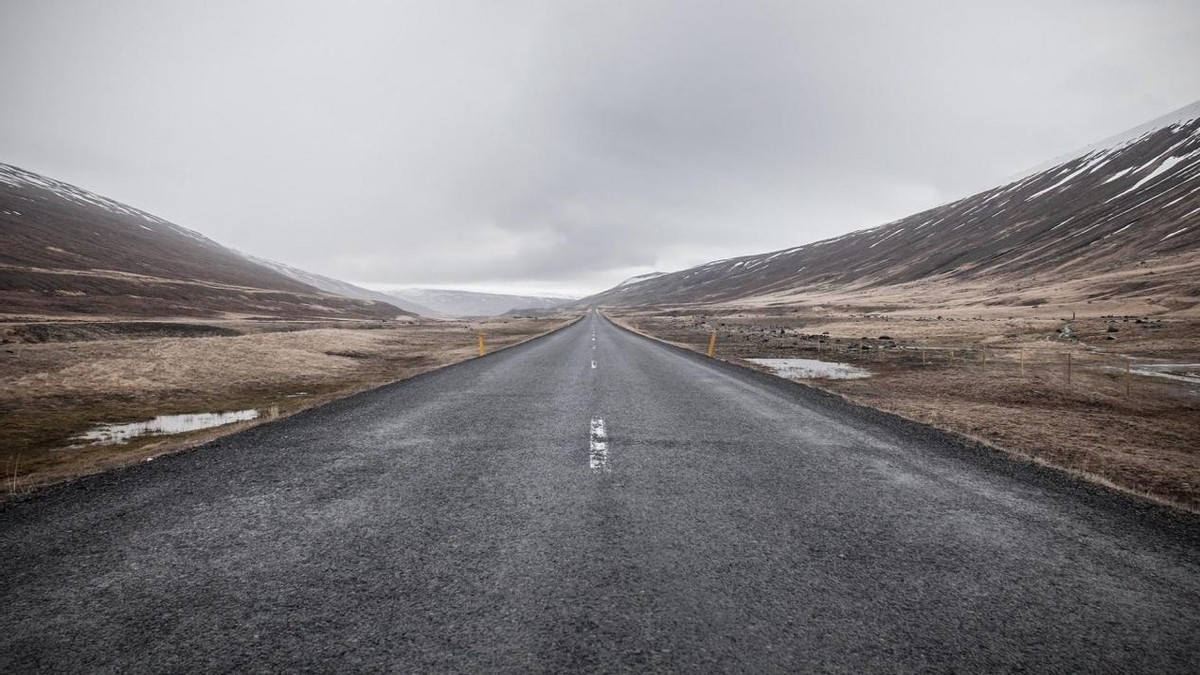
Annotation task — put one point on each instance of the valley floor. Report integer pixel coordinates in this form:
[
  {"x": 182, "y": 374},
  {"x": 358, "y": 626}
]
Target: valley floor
[
  {"x": 58, "y": 379},
  {"x": 1114, "y": 399}
]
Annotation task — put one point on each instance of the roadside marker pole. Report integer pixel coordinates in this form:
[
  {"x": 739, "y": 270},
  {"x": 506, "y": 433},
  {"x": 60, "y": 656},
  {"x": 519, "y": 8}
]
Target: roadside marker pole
[
  {"x": 1022, "y": 362},
  {"x": 712, "y": 343},
  {"x": 1068, "y": 367},
  {"x": 860, "y": 347},
  {"x": 1127, "y": 378},
  {"x": 481, "y": 350}
]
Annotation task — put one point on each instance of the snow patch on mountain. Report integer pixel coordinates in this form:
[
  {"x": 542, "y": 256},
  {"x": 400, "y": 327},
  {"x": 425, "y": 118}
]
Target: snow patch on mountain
[
  {"x": 18, "y": 177},
  {"x": 1177, "y": 118}
]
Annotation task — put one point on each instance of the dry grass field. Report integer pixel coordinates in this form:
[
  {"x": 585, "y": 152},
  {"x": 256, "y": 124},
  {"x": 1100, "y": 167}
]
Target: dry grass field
[
  {"x": 59, "y": 379},
  {"x": 1001, "y": 379}
]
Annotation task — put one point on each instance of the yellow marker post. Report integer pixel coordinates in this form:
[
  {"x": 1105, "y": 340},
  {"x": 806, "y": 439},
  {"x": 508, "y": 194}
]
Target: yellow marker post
[
  {"x": 712, "y": 343},
  {"x": 481, "y": 349}
]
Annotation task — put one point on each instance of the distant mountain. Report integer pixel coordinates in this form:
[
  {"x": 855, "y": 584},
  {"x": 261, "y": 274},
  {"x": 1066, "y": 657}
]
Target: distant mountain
[
  {"x": 338, "y": 287},
  {"x": 67, "y": 251},
  {"x": 466, "y": 303},
  {"x": 1120, "y": 219}
]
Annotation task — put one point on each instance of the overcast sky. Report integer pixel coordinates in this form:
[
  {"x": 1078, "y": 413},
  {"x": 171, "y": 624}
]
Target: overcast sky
[{"x": 563, "y": 146}]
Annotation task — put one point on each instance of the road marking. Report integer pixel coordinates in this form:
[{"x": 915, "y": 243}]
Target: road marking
[
  {"x": 593, "y": 364},
  {"x": 599, "y": 446}
]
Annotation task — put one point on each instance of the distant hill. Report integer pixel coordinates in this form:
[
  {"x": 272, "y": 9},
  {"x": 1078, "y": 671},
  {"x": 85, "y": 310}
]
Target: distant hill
[
  {"x": 337, "y": 287},
  {"x": 67, "y": 251},
  {"x": 1119, "y": 219},
  {"x": 467, "y": 303}
]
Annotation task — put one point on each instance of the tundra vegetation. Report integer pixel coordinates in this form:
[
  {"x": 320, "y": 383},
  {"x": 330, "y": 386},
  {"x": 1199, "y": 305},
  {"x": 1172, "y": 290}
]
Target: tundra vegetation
[
  {"x": 60, "y": 378},
  {"x": 1113, "y": 398}
]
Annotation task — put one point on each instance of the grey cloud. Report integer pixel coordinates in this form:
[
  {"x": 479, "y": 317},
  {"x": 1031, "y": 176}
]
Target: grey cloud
[{"x": 563, "y": 145}]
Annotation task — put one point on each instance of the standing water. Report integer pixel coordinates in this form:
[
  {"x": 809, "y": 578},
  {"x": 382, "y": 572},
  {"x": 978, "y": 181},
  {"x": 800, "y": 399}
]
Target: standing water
[
  {"x": 811, "y": 368},
  {"x": 110, "y": 434}
]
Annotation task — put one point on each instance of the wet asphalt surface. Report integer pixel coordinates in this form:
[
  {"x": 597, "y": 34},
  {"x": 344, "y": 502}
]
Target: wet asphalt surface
[{"x": 452, "y": 522}]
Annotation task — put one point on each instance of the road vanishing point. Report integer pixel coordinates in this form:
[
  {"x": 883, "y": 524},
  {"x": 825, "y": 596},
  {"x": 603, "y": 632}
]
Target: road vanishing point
[{"x": 607, "y": 504}]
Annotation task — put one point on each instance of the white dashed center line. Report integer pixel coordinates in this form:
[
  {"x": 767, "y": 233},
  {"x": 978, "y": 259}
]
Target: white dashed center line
[
  {"x": 599, "y": 446},
  {"x": 593, "y": 364}
]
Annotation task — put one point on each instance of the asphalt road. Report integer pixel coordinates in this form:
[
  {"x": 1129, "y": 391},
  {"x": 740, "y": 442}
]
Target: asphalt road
[{"x": 478, "y": 519}]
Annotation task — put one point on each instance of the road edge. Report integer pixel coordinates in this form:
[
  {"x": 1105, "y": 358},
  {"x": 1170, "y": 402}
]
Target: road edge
[
  {"x": 981, "y": 447},
  {"x": 206, "y": 437}
]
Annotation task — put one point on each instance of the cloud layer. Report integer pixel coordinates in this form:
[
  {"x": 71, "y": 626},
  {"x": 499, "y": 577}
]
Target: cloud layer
[{"x": 564, "y": 145}]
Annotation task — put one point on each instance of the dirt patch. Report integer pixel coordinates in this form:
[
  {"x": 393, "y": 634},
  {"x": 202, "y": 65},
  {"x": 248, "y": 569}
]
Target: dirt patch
[
  {"x": 1074, "y": 393},
  {"x": 53, "y": 391}
]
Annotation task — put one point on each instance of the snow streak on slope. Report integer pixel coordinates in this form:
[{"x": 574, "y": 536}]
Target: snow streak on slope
[
  {"x": 640, "y": 278},
  {"x": 1110, "y": 207},
  {"x": 66, "y": 250},
  {"x": 18, "y": 177},
  {"x": 1182, "y": 116}
]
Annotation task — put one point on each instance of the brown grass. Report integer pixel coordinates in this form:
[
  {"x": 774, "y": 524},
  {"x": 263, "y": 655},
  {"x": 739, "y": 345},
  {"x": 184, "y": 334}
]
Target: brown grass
[
  {"x": 54, "y": 391},
  {"x": 969, "y": 382}
]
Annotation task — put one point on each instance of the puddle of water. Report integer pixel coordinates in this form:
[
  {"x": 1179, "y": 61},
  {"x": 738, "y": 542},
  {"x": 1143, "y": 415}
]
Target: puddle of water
[
  {"x": 1188, "y": 377},
  {"x": 811, "y": 368},
  {"x": 1180, "y": 372},
  {"x": 111, "y": 434}
]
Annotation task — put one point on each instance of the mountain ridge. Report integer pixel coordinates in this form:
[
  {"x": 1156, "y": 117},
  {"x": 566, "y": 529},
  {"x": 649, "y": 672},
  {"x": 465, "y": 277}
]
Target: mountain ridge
[
  {"x": 65, "y": 250},
  {"x": 343, "y": 288},
  {"x": 1096, "y": 215}
]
